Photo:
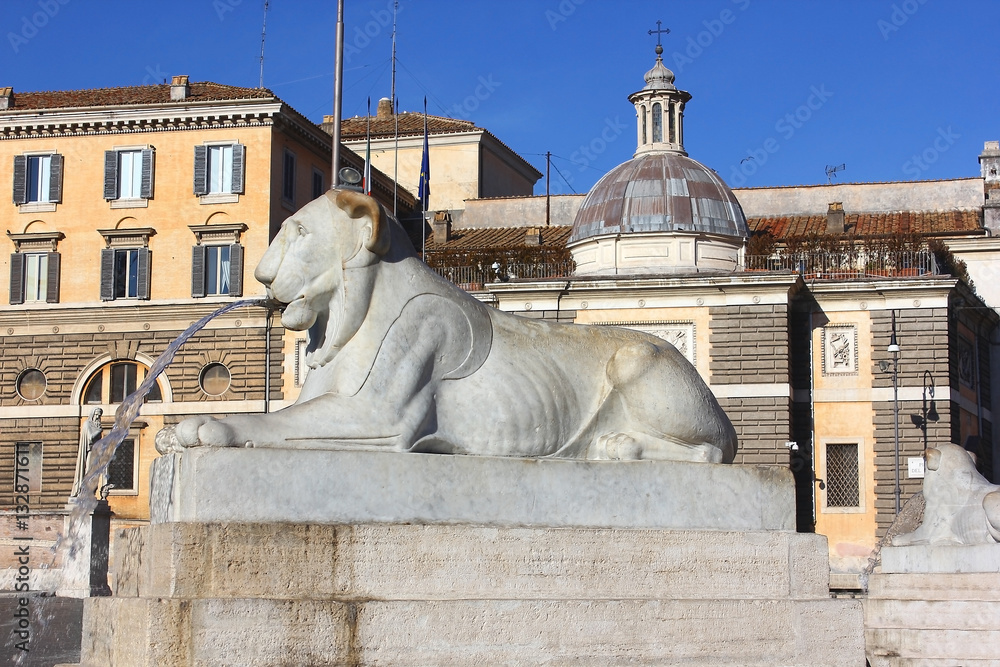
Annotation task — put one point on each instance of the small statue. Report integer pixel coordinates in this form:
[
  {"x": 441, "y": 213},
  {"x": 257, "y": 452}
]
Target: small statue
[
  {"x": 962, "y": 506},
  {"x": 89, "y": 434}
]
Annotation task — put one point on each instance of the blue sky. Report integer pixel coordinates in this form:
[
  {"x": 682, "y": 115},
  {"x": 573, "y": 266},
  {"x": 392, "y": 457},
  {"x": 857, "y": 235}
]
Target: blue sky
[{"x": 894, "y": 89}]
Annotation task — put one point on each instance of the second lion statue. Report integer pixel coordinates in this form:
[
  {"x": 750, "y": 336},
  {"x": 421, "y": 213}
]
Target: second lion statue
[{"x": 402, "y": 359}]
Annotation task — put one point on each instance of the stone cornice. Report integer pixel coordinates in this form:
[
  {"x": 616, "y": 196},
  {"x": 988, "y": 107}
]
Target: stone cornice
[
  {"x": 136, "y": 119},
  {"x": 124, "y": 316},
  {"x": 36, "y": 240}
]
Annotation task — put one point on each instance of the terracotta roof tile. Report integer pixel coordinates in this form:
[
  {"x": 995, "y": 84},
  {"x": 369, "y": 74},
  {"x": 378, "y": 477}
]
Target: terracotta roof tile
[
  {"x": 410, "y": 123},
  {"x": 500, "y": 237},
  {"x": 203, "y": 91},
  {"x": 874, "y": 224}
]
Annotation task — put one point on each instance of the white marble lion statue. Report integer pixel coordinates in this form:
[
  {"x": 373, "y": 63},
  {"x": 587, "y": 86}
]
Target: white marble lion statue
[
  {"x": 961, "y": 506},
  {"x": 402, "y": 359}
]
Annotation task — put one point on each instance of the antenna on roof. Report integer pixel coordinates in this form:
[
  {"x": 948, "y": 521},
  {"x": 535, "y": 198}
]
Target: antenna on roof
[
  {"x": 263, "y": 34},
  {"x": 831, "y": 171}
]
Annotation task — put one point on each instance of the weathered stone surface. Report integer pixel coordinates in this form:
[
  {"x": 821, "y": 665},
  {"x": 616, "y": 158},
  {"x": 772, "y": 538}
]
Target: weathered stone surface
[
  {"x": 934, "y": 586},
  {"x": 312, "y": 486},
  {"x": 394, "y": 594},
  {"x": 941, "y": 558},
  {"x": 611, "y": 632},
  {"x": 918, "y": 619},
  {"x": 256, "y": 632},
  {"x": 158, "y": 632},
  {"x": 381, "y": 561}
]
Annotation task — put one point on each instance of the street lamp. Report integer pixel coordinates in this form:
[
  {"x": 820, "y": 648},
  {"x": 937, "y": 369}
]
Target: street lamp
[{"x": 885, "y": 366}]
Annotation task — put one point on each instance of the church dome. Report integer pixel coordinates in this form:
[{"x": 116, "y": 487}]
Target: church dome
[
  {"x": 659, "y": 192},
  {"x": 660, "y": 212}
]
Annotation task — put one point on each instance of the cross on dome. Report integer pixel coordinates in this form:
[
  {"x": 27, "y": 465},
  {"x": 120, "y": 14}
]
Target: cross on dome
[{"x": 658, "y": 31}]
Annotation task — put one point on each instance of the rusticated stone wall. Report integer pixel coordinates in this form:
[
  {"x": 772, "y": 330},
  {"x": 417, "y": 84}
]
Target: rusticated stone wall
[
  {"x": 749, "y": 344},
  {"x": 63, "y": 358}
]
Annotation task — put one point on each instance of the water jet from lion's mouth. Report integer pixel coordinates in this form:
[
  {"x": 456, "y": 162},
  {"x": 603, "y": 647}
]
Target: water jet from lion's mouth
[{"x": 104, "y": 449}]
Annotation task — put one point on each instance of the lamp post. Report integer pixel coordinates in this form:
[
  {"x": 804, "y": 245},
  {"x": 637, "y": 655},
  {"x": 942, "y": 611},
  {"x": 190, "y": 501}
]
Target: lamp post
[{"x": 893, "y": 349}]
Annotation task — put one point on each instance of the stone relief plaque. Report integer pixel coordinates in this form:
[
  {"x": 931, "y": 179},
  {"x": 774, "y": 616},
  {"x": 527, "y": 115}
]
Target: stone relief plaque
[
  {"x": 966, "y": 362},
  {"x": 840, "y": 349},
  {"x": 678, "y": 334}
]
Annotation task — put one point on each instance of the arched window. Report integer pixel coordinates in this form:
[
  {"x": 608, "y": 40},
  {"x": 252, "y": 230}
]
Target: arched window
[
  {"x": 671, "y": 126},
  {"x": 657, "y": 123},
  {"x": 642, "y": 112},
  {"x": 114, "y": 381}
]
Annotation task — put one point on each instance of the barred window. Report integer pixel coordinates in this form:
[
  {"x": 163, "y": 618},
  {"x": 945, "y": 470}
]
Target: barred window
[
  {"x": 842, "y": 479},
  {"x": 121, "y": 470}
]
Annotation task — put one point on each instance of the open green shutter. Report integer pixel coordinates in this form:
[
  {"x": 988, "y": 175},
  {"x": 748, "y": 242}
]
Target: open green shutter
[
  {"x": 52, "y": 287},
  {"x": 142, "y": 288},
  {"x": 201, "y": 170},
  {"x": 236, "y": 270},
  {"x": 16, "y": 279},
  {"x": 146, "y": 187},
  {"x": 239, "y": 162},
  {"x": 198, "y": 271},
  {"x": 107, "y": 274},
  {"x": 20, "y": 179},
  {"x": 55, "y": 178},
  {"x": 110, "y": 175}
]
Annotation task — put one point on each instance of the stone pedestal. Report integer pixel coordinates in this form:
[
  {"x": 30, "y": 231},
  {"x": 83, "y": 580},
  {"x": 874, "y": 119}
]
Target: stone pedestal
[
  {"x": 934, "y": 605},
  {"x": 396, "y": 586}
]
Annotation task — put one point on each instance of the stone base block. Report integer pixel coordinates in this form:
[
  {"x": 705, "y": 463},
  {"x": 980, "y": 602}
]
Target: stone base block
[
  {"x": 252, "y": 633},
  {"x": 354, "y": 487},
  {"x": 393, "y": 561},
  {"x": 946, "y": 559},
  {"x": 917, "y": 619},
  {"x": 392, "y": 594}
]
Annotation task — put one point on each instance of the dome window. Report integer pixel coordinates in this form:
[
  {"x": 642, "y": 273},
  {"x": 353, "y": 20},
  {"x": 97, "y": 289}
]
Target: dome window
[
  {"x": 671, "y": 126},
  {"x": 657, "y": 123},
  {"x": 642, "y": 112}
]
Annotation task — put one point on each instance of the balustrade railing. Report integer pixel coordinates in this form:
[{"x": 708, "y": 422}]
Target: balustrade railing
[
  {"x": 475, "y": 277},
  {"x": 847, "y": 265}
]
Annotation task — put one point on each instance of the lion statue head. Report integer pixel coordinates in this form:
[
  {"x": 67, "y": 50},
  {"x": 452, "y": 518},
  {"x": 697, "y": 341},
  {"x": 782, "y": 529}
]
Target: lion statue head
[{"x": 322, "y": 254}]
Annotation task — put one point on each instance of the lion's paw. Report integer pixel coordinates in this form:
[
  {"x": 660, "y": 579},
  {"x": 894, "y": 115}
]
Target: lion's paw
[{"x": 200, "y": 431}]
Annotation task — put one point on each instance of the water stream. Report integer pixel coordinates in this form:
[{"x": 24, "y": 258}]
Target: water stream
[{"x": 76, "y": 537}]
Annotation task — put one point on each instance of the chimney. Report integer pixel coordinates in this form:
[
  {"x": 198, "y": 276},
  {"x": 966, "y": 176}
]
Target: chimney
[
  {"x": 6, "y": 97},
  {"x": 179, "y": 88},
  {"x": 989, "y": 162},
  {"x": 533, "y": 237},
  {"x": 441, "y": 225},
  {"x": 384, "y": 109},
  {"x": 835, "y": 222}
]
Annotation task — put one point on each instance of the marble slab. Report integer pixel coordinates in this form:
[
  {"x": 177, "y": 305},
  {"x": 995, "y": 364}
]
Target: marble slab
[{"x": 349, "y": 487}]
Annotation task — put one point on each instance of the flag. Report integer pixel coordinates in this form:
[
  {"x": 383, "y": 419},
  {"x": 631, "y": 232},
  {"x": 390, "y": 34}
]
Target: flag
[
  {"x": 424, "y": 189},
  {"x": 366, "y": 181}
]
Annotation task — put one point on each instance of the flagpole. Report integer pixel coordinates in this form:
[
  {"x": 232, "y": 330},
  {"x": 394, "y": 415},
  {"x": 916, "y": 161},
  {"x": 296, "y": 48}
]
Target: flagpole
[
  {"x": 395, "y": 116},
  {"x": 425, "y": 184},
  {"x": 368, "y": 151},
  {"x": 338, "y": 89}
]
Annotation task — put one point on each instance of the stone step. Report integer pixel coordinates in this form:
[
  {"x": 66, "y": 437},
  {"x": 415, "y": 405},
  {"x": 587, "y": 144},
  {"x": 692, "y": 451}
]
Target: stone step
[
  {"x": 251, "y": 633},
  {"x": 441, "y": 562}
]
